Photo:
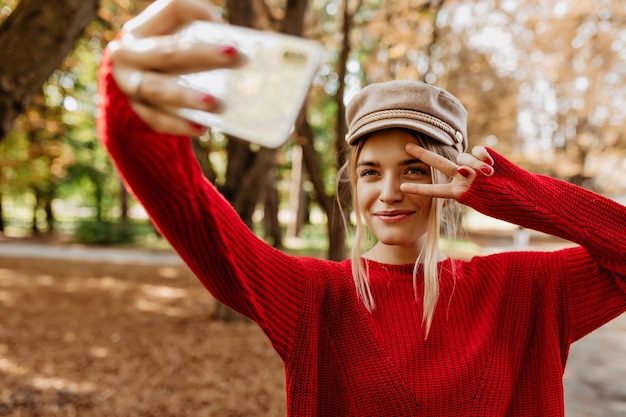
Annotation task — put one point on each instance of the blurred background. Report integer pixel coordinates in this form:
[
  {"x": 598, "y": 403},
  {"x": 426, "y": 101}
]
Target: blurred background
[{"x": 544, "y": 84}]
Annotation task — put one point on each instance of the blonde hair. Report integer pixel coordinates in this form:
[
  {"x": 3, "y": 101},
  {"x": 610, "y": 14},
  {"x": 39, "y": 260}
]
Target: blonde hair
[{"x": 444, "y": 218}]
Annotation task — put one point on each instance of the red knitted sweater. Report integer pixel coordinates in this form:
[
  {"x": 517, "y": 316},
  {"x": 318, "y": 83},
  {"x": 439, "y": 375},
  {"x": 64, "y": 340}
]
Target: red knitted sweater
[{"x": 501, "y": 333}]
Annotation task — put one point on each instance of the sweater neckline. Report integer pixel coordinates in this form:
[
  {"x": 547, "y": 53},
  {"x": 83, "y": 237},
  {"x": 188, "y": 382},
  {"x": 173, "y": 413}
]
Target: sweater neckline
[{"x": 400, "y": 270}]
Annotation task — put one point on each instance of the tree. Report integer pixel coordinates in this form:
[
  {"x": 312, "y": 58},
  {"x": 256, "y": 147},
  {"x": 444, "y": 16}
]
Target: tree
[
  {"x": 34, "y": 39},
  {"x": 542, "y": 81},
  {"x": 338, "y": 208},
  {"x": 64, "y": 121}
]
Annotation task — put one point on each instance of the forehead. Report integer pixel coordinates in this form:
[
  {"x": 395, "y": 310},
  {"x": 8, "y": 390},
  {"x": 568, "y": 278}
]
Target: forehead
[{"x": 385, "y": 145}]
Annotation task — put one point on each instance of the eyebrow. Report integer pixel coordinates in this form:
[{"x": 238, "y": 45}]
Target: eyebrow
[{"x": 406, "y": 162}]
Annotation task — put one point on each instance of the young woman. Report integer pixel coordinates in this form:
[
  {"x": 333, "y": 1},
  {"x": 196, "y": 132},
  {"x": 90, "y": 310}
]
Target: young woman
[{"x": 398, "y": 329}]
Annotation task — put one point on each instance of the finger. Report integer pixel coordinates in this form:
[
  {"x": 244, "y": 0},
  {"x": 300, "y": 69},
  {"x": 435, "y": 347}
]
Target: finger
[
  {"x": 164, "y": 17},
  {"x": 173, "y": 55},
  {"x": 433, "y": 160},
  {"x": 162, "y": 90},
  {"x": 467, "y": 172},
  {"x": 166, "y": 122},
  {"x": 482, "y": 154},
  {"x": 430, "y": 190},
  {"x": 470, "y": 161},
  {"x": 477, "y": 161}
]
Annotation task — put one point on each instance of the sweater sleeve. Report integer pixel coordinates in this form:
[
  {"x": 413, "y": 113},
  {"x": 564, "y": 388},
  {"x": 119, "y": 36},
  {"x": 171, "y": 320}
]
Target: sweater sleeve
[
  {"x": 595, "y": 272},
  {"x": 162, "y": 172}
]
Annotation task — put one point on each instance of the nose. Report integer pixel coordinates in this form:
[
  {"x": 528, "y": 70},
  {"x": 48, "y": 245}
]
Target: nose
[{"x": 390, "y": 191}]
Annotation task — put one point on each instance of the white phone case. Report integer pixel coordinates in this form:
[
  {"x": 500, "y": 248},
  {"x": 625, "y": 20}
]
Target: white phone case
[{"x": 263, "y": 97}]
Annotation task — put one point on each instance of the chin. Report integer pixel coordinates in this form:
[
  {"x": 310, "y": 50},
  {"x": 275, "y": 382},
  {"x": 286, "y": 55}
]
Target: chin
[{"x": 394, "y": 241}]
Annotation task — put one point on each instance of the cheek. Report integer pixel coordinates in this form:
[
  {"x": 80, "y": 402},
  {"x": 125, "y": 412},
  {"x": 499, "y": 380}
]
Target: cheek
[
  {"x": 365, "y": 196},
  {"x": 421, "y": 201},
  {"x": 361, "y": 203},
  {"x": 425, "y": 206}
]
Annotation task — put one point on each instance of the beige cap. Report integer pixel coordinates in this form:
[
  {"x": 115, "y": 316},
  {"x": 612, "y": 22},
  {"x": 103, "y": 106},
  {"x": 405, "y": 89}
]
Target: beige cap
[{"x": 408, "y": 104}]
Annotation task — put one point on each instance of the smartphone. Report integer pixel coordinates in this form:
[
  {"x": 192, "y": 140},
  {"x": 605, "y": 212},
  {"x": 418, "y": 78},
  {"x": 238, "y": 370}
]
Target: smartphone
[{"x": 263, "y": 97}]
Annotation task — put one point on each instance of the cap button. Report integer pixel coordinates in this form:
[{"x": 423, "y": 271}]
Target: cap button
[{"x": 459, "y": 137}]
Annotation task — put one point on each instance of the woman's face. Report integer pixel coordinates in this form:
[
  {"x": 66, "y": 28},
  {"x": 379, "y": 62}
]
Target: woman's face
[{"x": 394, "y": 217}]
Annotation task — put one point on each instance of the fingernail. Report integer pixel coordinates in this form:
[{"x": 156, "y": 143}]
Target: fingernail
[
  {"x": 207, "y": 99},
  {"x": 486, "y": 169},
  {"x": 464, "y": 172},
  {"x": 228, "y": 50},
  {"x": 114, "y": 45},
  {"x": 488, "y": 160},
  {"x": 197, "y": 127}
]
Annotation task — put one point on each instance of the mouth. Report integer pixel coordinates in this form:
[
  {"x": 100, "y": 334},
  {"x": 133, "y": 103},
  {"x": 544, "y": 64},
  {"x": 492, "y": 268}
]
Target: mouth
[{"x": 393, "y": 216}]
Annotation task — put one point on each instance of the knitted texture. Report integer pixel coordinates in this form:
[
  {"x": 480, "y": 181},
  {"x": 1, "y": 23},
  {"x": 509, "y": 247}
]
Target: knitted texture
[{"x": 502, "y": 329}]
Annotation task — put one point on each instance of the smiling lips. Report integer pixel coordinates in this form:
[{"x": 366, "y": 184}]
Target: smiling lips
[{"x": 393, "y": 216}]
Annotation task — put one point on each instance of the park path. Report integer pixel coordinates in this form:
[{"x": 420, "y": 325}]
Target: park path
[
  {"x": 25, "y": 249},
  {"x": 595, "y": 378}
]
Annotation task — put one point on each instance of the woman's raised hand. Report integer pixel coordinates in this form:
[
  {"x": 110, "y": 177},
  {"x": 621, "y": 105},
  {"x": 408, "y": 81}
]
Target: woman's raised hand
[
  {"x": 148, "y": 58},
  {"x": 463, "y": 173}
]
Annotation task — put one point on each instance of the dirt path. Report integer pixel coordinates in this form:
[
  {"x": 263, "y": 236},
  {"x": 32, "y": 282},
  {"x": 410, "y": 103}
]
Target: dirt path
[
  {"x": 96, "y": 339},
  {"x": 131, "y": 335}
]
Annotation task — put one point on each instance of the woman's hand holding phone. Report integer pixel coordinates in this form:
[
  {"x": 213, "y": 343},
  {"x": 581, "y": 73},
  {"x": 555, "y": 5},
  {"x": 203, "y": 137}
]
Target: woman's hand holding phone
[
  {"x": 183, "y": 71},
  {"x": 148, "y": 59}
]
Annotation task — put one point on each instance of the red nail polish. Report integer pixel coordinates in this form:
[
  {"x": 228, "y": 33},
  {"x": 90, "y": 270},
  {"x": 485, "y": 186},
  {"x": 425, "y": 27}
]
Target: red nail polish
[
  {"x": 197, "y": 127},
  {"x": 228, "y": 50},
  {"x": 488, "y": 160},
  {"x": 207, "y": 99},
  {"x": 486, "y": 169},
  {"x": 464, "y": 172}
]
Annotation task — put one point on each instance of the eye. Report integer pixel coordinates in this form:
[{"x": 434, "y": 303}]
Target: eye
[
  {"x": 418, "y": 171},
  {"x": 367, "y": 173}
]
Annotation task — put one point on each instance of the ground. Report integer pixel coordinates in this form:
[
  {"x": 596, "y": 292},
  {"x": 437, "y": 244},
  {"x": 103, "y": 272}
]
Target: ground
[
  {"x": 132, "y": 335},
  {"x": 100, "y": 339}
]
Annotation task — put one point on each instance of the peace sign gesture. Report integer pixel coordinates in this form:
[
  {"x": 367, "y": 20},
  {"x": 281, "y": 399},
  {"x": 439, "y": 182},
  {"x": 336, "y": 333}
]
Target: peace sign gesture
[{"x": 463, "y": 172}]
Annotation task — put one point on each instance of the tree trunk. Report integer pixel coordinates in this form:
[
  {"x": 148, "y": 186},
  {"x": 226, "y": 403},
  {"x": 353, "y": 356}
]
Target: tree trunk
[
  {"x": 239, "y": 158},
  {"x": 34, "y": 39},
  {"x": 342, "y": 202},
  {"x": 48, "y": 196},
  {"x": 293, "y": 22},
  {"x": 124, "y": 196},
  {"x": 270, "y": 220},
  {"x": 1, "y": 215},
  {"x": 295, "y": 193},
  {"x": 34, "y": 228},
  {"x": 253, "y": 183},
  {"x": 99, "y": 197},
  {"x": 202, "y": 155},
  {"x": 336, "y": 231},
  {"x": 334, "y": 210}
]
